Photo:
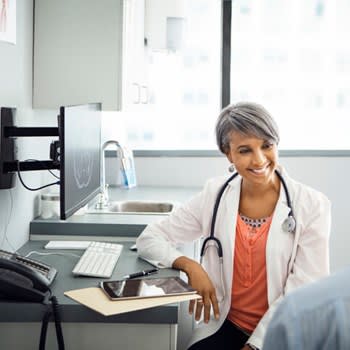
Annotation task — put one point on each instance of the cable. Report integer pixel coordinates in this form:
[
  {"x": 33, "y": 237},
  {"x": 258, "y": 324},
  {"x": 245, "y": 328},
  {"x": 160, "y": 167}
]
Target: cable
[
  {"x": 32, "y": 189},
  {"x": 52, "y": 310},
  {"x": 7, "y": 224},
  {"x": 54, "y": 175},
  {"x": 40, "y": 253},
  {"x": 44, "y": 325},
  {"x": 59, "y": 334}
]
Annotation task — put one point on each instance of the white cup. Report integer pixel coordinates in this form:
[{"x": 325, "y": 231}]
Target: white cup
[{"x": 50, "y": 205}]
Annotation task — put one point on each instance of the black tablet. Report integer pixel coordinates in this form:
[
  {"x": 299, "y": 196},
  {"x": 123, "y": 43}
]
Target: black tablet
[{"x": 146, "y": 288}]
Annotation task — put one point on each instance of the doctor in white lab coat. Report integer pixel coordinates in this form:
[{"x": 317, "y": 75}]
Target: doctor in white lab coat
[{"x": 281, "y": 261}]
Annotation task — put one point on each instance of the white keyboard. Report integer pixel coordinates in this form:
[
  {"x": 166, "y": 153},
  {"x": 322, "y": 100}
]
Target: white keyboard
[{"x": 98, "y": 260}]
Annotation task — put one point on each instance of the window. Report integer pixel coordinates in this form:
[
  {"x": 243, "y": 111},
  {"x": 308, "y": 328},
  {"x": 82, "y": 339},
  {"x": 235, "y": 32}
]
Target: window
[{"x": 292, "y": 57}]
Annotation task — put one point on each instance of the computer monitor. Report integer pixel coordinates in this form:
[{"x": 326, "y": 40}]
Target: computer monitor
[{"x": 80, "y": 141}]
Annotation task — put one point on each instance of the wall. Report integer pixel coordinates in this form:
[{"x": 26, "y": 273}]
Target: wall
[
  {"x": 329, "y": 175},
  {"x": 19, "y": 206}
]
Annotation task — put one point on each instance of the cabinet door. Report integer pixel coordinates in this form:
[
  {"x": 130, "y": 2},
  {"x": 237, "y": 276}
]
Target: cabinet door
[
  {"x": 77, "y": 53},
  {"x": 135, "y": 89}
]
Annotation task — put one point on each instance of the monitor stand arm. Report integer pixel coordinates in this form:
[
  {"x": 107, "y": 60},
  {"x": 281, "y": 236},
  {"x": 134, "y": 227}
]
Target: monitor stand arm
[
  {"x": 29, "y": 165},
  {"x": 8, "y": 162}
]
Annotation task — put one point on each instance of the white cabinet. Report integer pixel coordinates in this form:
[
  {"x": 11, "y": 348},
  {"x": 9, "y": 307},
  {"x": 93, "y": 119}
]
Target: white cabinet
[
  {"x": 77, "y": 53},
  {"x": 135, "y": 85},
  {"x": 147, "y": 40}
]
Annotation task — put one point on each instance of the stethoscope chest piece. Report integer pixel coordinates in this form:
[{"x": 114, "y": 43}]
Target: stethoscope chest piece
[{"x": 289, "y": 224}]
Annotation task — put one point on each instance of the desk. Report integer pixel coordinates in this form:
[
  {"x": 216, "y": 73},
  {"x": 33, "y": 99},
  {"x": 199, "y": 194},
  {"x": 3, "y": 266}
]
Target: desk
[{"x": 83, "y": 328}]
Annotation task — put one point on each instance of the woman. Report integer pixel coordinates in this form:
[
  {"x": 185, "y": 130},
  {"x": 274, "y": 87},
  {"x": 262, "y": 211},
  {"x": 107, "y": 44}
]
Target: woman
[{"x": 265, "y": 253}]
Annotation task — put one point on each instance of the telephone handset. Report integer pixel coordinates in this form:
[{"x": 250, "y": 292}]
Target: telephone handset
[{"x": 24, "y": 279}]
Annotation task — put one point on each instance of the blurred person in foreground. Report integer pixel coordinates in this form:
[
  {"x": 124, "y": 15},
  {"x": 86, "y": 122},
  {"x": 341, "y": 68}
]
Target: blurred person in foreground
[{"x": 313, "y": 317}]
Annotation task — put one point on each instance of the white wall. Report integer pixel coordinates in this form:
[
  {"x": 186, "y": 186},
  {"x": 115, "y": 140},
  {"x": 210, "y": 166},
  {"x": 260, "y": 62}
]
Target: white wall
[
  {"x": 16, "y": 91},
  {"x": 326, "y": 174}
]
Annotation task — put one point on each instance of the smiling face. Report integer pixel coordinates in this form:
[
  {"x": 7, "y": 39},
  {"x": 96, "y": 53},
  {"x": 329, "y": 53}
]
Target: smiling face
[{"x": 255, "y": 159}]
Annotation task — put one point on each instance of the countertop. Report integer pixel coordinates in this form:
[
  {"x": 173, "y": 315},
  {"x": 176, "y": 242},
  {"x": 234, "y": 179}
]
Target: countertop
[{"x": 112, "y": 225}]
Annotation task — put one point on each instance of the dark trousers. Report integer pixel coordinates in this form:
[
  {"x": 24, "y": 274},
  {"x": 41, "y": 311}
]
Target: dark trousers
[{"x": 227, "y": 337}]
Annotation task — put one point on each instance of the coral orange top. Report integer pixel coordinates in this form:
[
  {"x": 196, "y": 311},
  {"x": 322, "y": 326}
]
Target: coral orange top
[{"x": 249, "y": 286}]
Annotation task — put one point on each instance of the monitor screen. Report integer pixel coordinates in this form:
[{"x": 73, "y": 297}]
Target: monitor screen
[{"x": 80, "y": 142}]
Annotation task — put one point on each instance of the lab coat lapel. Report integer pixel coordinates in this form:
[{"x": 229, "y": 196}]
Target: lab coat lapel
[
  {"x": 277, "y": 238},
  {"x": 280, "y": 214},
  {"x": 227, "y": 226}
]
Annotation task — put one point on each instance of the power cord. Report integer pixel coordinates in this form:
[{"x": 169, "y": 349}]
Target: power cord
[
  {"x": 29, "y": 188},
  {"x": 5, "y": 238},
  {"x": 45, "y": 254}
]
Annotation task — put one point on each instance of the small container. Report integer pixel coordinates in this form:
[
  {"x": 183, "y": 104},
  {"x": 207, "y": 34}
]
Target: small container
[{"x": 50, "y": 205}]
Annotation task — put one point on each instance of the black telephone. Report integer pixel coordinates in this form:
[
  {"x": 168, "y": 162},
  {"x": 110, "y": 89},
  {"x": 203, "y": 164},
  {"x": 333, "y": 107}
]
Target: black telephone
[{"x": 24, "y": 279}]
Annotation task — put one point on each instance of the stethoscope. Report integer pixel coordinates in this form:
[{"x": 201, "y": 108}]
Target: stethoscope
[{"x": 288, "y": 225}]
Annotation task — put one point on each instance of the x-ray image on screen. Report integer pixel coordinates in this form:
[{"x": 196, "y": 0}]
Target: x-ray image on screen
[{"x": 83, "y": 168}]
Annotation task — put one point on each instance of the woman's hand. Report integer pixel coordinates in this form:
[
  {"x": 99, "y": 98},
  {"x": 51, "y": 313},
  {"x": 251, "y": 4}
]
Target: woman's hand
[
  {"x": 200, "y": 281},
  {"x": 246, "y": 347}
]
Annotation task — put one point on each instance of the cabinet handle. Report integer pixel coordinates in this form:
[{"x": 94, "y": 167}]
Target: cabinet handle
[
  {"x": 144, "y": 94},
  {"x": 136, "y": 93}
]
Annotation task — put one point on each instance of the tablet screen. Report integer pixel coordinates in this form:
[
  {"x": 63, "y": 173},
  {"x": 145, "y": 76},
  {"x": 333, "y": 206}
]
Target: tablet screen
[{"x": 145, "y": 288}]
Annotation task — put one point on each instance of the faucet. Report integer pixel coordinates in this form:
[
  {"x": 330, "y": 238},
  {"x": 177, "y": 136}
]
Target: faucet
[{"x": 103, "y": 200}]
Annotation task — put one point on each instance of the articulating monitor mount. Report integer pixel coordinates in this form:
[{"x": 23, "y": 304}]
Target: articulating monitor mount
[{"x": 8, "y": 152}]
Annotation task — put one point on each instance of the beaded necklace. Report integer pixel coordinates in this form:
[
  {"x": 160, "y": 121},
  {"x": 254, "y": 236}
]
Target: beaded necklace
[{"x": 253, "y": 224}]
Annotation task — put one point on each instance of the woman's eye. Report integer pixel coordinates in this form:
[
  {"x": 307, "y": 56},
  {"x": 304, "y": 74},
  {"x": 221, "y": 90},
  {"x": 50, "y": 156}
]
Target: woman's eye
[
  {"x": 267, "y": 145},
  {"x": 243, "y": 151}
]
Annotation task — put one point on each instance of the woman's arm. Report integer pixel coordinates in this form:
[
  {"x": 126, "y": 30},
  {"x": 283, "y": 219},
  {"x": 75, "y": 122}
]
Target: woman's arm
[
  {"x": 186, "y": 224},
  {"x": 200, "y": 281},
  {"x": 158, "y": 242}
]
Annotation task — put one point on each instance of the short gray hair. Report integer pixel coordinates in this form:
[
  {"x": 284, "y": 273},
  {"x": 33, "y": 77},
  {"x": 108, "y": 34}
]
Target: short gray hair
[{"x": 246, "y": 118}]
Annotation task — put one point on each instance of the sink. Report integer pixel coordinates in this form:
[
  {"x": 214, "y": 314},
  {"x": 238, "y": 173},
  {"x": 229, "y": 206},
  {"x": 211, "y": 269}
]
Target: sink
[
  {"x": 140, "y": 207},
  {"x": 135, "y": 207}
]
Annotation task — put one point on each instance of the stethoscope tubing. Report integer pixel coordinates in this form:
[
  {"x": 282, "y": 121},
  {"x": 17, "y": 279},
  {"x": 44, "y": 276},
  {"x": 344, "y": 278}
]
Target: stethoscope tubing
[
  {"x": 212, "y": 237},
  {"x": 290, "y": 224},
  {"x": 289, "y": 203},
  {"x": 213, "y": 220}
]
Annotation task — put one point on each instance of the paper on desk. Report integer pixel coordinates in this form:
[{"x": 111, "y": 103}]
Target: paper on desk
[{"x": 95, "y": 299}]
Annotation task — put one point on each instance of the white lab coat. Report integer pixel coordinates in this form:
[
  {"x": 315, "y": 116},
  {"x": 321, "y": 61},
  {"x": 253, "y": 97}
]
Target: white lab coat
[{"x": 291, "y": 259}]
